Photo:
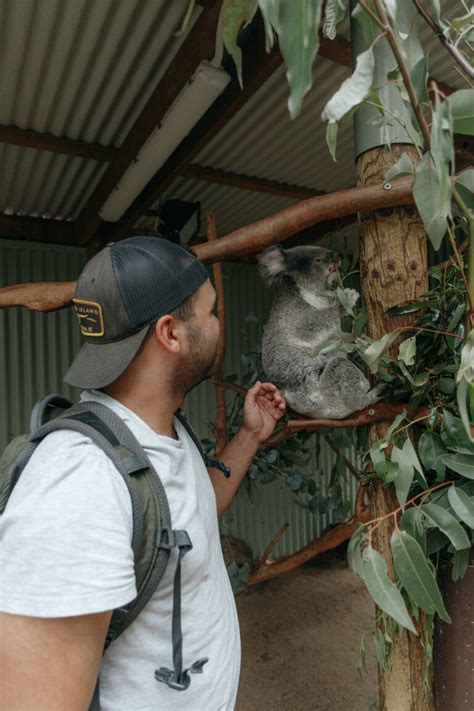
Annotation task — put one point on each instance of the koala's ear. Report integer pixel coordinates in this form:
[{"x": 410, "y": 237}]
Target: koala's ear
[{"x": 271, "y": 264}]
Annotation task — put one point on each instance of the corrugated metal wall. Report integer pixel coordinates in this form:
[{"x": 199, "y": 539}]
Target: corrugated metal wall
[{"x": 36, "y": 350}]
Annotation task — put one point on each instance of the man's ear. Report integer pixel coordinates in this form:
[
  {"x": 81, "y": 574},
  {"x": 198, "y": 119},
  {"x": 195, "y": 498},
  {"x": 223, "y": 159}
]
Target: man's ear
[
  {"x": 169, "y": 333},
  {"x": 271, "y": 264}
]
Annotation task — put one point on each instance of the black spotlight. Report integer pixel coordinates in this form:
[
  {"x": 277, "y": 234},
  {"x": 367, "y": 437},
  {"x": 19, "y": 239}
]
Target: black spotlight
[{"x": 180, "y": 220}]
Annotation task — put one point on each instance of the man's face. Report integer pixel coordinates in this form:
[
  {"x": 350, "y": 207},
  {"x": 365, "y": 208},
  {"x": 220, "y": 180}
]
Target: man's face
[{"x": 202, "y": 336}]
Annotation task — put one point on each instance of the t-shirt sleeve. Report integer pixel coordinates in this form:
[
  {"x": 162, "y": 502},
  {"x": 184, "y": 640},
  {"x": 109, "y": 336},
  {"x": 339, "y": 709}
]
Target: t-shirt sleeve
[{"x": 65, "y": 536}]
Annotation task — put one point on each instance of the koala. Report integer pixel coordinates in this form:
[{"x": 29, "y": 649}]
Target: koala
[{"x": 301, "y": 319}]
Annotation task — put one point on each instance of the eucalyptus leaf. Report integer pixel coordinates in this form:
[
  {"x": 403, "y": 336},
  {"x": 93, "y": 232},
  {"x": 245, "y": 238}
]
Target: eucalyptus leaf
[
  {"x": 462, "y": 109},
  {"x": 435, "y": 541},
  {"x": 454, "y": 435},
  {"x": 460, "y": 564},
  {"x": 411, "y": 521},
  {"x": 466, "y": 20},
  {"x": 456, "y": 317},
  {"x": 415, "y": 574},
  {"x": 400, "y": 169},
  {"x": 407, "y": 350},
  {"x": 373, "y": 353},
  {"x": 383, "y": 591},
  {"x": 462, "y": 505},
  {"x": 334, "y": 12},
  {"x": 380, "y": 647},
  {"x": 405, "y": 473},
  {"x": 433, "y": 206},
  {"x": 331, "y": 138},
  {"x": 353, "y": 90},
  {"x": 430, "y": 451},
  {"x": 297, "y": 27},
  {"x": 384, "y": 468},
  {"x": 344, "y": 301},
  {"x": 361, "y": 321},
  {"x": 354, "y": 552},
  {"x": 419, "y": 77},
  {"x": 462, "y": 464},
  {"x": 411, "y": 456},
  {"x": 465, "y": 186},
  {"x": 395, "y": 424},
  {"x": 236, "y": 15},
  {"x": 447, "y": 523}
]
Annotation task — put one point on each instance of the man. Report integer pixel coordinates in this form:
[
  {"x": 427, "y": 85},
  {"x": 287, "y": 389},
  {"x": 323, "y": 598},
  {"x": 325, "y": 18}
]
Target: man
[{"x": 146, "y": 308}]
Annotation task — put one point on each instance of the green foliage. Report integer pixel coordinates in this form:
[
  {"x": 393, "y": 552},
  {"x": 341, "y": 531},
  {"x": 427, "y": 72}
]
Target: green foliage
[
  {"x": 416, "y": 575},
  {"x": 352, "y": 91},
  {"x": 297, "y": 26},
  {"x": 236, "y": 15},
  {"x": 238, "y": 576},
  {"x": 383, "y": 591}
]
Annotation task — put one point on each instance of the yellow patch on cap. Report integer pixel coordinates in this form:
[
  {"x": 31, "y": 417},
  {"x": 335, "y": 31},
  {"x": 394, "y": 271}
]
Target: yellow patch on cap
[{"x": 90, "y": 317}]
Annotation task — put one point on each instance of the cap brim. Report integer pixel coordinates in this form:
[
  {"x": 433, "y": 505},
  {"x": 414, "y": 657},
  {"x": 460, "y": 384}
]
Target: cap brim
[{"x": 99, "y": 365}]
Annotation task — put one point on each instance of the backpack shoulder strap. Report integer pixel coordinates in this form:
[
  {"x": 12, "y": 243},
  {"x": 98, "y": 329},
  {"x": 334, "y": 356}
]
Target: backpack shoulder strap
[
  {"x": 212, "y": 462},
  {"x": 47, "y": 409}
]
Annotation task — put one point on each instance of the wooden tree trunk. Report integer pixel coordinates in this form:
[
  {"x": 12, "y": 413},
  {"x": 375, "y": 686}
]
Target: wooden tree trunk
[{"x": 393, "y": 270}]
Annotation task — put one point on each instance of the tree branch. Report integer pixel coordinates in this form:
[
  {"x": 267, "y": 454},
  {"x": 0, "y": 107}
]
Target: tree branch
[
  {"x": 268, "y": 568},
  {"x": 393, "y": 41},
  {"x": 452, "y": 49},
  {"x": 220, "y": 424}
]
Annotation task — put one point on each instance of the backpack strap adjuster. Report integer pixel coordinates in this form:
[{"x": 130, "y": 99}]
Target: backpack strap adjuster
[{"x": 167, "y": 538}]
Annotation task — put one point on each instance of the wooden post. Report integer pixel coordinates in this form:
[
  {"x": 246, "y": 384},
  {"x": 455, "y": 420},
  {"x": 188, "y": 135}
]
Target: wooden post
[{"x": 393, "y": 270}]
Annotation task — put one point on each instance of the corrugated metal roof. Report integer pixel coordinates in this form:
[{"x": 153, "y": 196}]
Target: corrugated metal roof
[
  {"x": 81, "y": 70},
  {"x": 85, "y": 69}
]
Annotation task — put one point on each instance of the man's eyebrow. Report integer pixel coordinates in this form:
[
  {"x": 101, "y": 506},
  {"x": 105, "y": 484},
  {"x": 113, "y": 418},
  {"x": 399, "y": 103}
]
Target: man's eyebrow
[{"x": 215, "y": 302}]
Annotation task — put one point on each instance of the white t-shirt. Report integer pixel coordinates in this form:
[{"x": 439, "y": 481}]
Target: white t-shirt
[{"x": 65, "y": 550}]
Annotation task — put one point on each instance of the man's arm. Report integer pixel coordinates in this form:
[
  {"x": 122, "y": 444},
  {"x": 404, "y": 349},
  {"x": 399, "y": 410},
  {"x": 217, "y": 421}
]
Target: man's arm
[
  {"x": 50, "y": 664},
  {"x": 263, "y": 407}
]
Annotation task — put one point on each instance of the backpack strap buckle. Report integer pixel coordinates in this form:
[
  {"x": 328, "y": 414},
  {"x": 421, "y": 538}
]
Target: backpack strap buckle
[{"x": 180, "y": 682}]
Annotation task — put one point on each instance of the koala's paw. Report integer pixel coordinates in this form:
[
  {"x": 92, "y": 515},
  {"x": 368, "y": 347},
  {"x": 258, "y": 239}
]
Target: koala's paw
[{"x": 352, "y": 295}]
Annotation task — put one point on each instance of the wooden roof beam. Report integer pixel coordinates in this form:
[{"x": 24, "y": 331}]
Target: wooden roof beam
[
  {"x": 37, "y": 229},
  {"x": 27, "y": 138},
  {"x": 199, "y": 45},
  {"x": 248, "y": 182}
]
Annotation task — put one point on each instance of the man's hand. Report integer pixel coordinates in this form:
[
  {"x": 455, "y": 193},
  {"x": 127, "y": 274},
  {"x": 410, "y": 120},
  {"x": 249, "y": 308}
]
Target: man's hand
[{"x": 264, "y": 406}]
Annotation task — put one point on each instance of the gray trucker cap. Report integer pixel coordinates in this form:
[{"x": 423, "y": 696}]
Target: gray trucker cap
[{"x": 121, "y": 291}]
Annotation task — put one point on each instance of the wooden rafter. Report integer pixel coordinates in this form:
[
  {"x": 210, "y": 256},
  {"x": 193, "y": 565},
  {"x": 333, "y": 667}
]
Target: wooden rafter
[
  {"x": 248, "y": 182},
  {"x": 55, "y": 144},
  {"x": 199, "y": 45},
  {"x": 36, "y": 229}
]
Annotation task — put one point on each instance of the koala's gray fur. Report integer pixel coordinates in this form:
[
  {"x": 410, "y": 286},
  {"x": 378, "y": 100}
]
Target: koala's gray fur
[{"x": 327, "y": 385}]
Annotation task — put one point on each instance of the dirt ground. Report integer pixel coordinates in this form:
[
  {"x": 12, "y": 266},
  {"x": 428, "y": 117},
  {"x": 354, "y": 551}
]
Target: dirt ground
[{"x": 300, "y": 641}]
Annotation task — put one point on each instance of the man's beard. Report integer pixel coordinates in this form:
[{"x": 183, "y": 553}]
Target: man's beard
[{"x": 197, "y": 365}]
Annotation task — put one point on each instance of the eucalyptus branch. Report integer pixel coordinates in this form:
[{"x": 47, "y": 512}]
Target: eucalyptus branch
[
  {"x": 375, "y": 522},
  {"x": 393, "y": 41},
  {"x": 460, "y": 264},
  {"x": 354, "y": 471},
  {"x": 452, "y": 49},
  {"x": 449, "y": 262},
  {"x": 402, "y": 123}
]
